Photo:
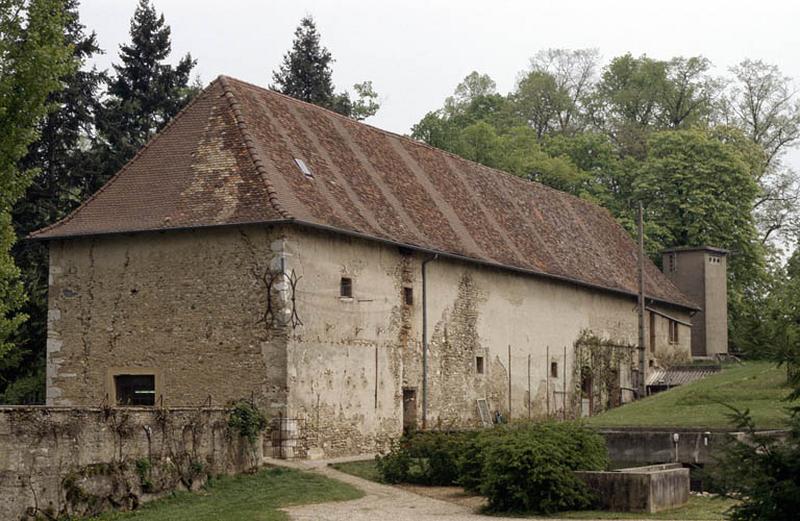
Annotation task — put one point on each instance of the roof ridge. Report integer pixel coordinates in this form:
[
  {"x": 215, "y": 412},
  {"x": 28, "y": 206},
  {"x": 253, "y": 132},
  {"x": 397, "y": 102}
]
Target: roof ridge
[
  {"x": 249, "y": 143},
  {"x": 125, "y": 167},
  {"x": 402, "y": 137}
]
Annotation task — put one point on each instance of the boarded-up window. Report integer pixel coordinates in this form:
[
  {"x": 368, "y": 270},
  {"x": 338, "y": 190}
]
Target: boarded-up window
[
  {"x": 135, "y": 389},
  {"x": 346, "y": 287}
]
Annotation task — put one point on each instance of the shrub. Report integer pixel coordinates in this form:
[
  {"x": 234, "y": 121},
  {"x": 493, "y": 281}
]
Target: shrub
[
  {"x": 520, "y": 467},
  {"x": 761, "y": 471},
  {"x": 394, "y": 466},
  {"x": 425, "y": 458},
  {"x": 531, "y": 468},
  {"x": 247, "y": 420}
]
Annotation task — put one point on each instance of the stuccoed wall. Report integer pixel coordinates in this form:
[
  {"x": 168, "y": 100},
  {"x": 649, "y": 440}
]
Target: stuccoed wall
[
  {"x": 188, "y": 304},
  {"x": 351, "y": 358},
  {"x": 58, "y": 461},
  {"x": 193, "y": 307}
]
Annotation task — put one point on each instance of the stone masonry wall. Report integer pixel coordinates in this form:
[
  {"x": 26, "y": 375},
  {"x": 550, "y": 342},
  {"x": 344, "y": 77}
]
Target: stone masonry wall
[
  {"x": 188, "y": 306},
  {"x": 58, "y": 461}
]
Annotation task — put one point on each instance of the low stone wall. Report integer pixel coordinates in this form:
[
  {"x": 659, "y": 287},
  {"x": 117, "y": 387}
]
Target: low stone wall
[
  {"x": 638, "y": 446},
  {"x": 640, "y": 489},
  {"x": 83, "y": 460}
]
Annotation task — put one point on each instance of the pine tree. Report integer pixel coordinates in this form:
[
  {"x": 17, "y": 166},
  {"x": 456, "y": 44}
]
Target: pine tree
[
  {"x": 144, "y": 93},
  {"x": 59, "y": 156},
  {"x": 34, "y": 57},
  {"x": 306, "y": 74}
]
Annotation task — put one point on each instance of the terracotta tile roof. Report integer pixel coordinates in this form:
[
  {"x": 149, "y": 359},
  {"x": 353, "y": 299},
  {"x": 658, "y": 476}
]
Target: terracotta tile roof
[{"x": 229, "y": 158}]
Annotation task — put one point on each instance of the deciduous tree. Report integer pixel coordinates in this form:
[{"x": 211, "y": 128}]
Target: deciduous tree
[{"x": 34, "y": 56}]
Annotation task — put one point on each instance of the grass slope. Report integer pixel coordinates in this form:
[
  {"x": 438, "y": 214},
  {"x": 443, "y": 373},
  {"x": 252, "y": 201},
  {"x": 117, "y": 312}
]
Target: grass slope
[
  {"x": 758, "y": 386},
  {"x": 255, "y": 497}
]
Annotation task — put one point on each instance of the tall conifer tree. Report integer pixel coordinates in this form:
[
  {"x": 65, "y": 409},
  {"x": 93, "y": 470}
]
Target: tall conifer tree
[
  {"x": 306, "y": 74},
  {"x": 144, "y": 93}
]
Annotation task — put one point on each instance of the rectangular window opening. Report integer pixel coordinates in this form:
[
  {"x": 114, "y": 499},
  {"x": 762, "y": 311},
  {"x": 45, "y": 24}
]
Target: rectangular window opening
[
  {"x": 479, "y": 368},
  {"x": 672, "y": 264},
  {"x": 346, "y": 287},
  {"x": 554, "y": 369},
  {"x": 673, "y": 332},
  {"x": 135, "y": 389},
  {"x": 408, "y": 296}
]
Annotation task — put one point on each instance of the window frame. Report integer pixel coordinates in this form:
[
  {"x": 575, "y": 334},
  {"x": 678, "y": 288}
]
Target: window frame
[
  {"x": 346, "y": 288},
  {"x": 111, "y": 385}
]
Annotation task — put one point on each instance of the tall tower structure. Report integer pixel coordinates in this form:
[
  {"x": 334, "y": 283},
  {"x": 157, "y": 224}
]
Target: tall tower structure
[{"x": 701, "y": 273}]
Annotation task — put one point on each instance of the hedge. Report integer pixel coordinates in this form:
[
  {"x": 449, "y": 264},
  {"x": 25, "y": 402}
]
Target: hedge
[{"x": 521, "y": 467}]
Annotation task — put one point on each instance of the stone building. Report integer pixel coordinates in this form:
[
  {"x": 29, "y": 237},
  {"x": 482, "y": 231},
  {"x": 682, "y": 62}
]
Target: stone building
[
  {"x": 702, "y": 274},
  {"x": 267, "y": 249}
]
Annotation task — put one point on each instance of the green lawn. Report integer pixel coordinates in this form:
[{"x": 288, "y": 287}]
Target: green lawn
[
  {"x": 758, "y": 386},
  {"x": 698, "y": 508},
  {"x": 255, "y": 497},
  {"x": 365, "y": 469}
]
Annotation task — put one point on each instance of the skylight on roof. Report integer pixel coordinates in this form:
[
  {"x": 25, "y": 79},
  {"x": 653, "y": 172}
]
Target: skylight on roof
[{"x": 304, "y": 168}]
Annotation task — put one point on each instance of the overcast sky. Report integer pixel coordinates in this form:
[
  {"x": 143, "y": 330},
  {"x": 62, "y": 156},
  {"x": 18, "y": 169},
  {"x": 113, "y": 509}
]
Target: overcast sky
[{"x": 416, "y": 51}]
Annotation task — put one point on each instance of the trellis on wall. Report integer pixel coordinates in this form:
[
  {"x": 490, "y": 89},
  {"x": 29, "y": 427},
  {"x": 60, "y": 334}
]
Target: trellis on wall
[{"x": 597, "y": 373}]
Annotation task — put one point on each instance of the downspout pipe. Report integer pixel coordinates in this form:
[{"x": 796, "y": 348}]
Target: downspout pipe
[{"x": 425, "y": 340}]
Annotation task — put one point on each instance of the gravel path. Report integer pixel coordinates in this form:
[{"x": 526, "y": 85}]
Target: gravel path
[{"x": 381, "y": 502}]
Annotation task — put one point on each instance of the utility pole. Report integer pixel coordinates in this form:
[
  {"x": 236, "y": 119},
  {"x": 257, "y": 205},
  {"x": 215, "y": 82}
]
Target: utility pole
[{"x": 642, "y": 351}]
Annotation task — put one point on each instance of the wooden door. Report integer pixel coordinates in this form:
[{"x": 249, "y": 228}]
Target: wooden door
[{"x": 409, "y": 410}]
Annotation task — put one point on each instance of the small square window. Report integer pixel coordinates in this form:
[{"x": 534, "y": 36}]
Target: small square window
[
  {"x": 554, "y": 369},
  {"x": 408, "y": 296},
  {"x": 135, "y": 389},
  {"x": 479, "y": 368},
  {"x": 346, "y": 287}
]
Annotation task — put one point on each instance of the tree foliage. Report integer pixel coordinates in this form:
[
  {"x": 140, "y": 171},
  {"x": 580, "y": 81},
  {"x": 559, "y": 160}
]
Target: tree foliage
[
  {"x": 96, "y": 123},
  {"x": 144, "y": 93},
  {"x": 59, "y": 156},
  {"x": 33, "y": 58},
  {"x": 703, "y": 152},
  {"x": 306, "y": 74}
]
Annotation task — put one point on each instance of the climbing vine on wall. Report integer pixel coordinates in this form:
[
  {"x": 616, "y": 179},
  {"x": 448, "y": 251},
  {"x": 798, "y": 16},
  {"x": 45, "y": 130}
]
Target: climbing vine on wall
[{"x": 601, "y": 362}]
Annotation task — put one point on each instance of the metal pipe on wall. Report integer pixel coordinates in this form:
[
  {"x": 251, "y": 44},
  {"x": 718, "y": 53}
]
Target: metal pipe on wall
[
  {"x": 642, "y": 366},
  {"x": 425, "y": 340},
  {"x": 509, "y": 382}
]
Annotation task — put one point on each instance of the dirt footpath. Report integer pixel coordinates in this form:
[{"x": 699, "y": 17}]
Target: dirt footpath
[{"x": 384, "y": 502}]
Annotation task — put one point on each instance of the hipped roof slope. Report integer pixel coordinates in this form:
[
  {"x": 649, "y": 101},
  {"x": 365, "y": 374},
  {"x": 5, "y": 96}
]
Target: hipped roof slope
[{"x": 229, "y": 158}]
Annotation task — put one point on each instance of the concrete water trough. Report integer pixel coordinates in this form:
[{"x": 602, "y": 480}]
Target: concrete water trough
[{"x": 640, "y": 489}]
